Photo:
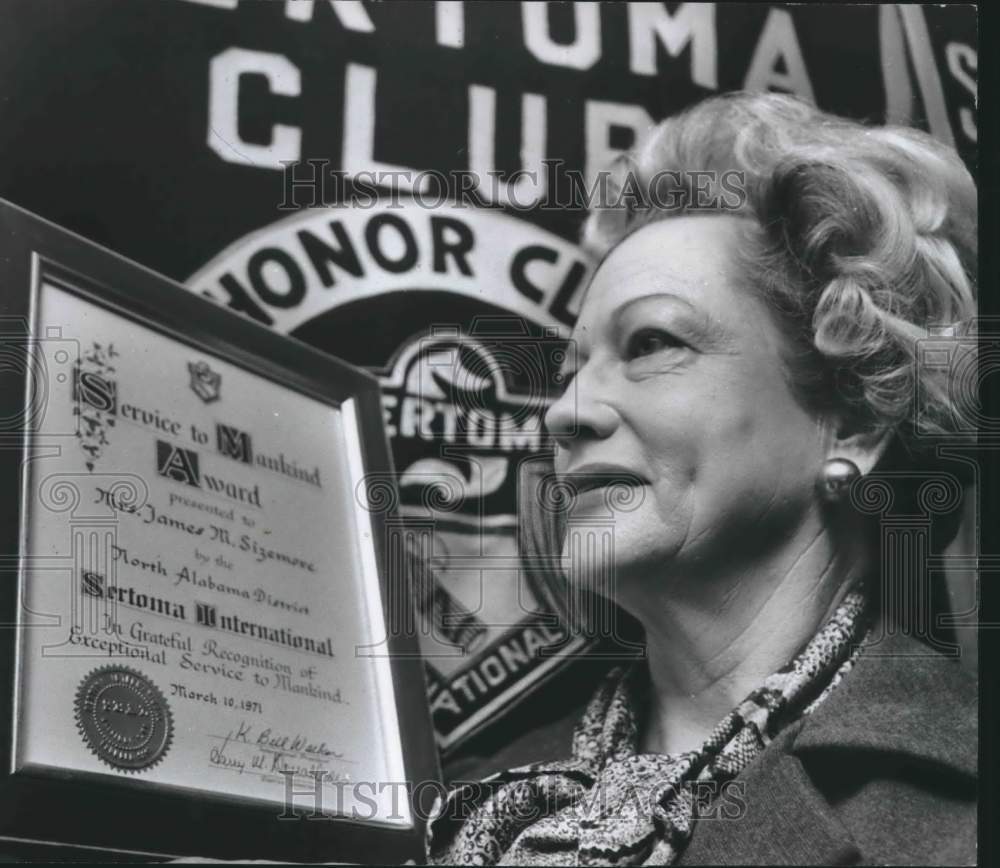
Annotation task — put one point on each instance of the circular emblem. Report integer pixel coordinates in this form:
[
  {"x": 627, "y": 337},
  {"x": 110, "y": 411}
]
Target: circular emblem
[{"x": 124, "y": 718}]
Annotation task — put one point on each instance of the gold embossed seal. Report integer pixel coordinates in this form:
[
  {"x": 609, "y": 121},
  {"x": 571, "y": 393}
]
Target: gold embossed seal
[{"x": 124, "y": 718}]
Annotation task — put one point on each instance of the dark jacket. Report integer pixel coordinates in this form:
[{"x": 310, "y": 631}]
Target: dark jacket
[{"x": 882, "y": 773}]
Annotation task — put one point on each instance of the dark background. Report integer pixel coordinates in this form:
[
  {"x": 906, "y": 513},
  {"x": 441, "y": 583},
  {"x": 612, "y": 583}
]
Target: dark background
[{"x": 104, "y": 122}]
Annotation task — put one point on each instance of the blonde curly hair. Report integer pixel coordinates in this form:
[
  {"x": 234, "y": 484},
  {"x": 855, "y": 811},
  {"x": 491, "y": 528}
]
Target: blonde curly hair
[{"x": 861, "y": 238}]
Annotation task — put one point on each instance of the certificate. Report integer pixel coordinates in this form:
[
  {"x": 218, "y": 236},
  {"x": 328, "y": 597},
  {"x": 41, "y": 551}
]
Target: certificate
[{"x": 201, "y": 660}]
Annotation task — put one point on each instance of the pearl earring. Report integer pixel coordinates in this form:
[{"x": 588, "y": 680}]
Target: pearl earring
[{"x": 837, "y": 478}]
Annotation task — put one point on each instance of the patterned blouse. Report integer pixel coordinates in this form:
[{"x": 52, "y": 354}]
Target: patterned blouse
[{"x": 609, "y": 804}]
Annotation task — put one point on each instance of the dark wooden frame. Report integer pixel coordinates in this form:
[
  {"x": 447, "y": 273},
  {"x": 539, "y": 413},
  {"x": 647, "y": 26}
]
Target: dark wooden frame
[{"x": 126, "y": 816}]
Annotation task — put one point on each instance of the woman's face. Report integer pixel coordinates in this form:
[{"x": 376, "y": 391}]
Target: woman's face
[{"x": 678, "y": 382}]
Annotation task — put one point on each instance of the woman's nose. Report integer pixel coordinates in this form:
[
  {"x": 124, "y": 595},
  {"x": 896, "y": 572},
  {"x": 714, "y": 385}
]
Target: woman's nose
[{"x": 580, "y": 412}]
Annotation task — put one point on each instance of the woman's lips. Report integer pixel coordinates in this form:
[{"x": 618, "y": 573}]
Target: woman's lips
[{"x": 592, "y": 477}]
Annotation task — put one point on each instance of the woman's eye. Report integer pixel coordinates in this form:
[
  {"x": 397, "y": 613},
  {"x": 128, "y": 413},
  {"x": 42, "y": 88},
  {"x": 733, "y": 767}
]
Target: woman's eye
[{"x": 645, "y": 342}]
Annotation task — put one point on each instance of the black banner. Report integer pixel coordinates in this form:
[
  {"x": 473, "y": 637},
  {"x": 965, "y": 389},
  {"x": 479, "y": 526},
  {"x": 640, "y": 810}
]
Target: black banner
[{"x": 312, "y": 164}]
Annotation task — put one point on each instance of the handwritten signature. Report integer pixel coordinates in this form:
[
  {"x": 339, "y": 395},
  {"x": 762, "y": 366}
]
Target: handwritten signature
[{"x": 271, "y": 751}]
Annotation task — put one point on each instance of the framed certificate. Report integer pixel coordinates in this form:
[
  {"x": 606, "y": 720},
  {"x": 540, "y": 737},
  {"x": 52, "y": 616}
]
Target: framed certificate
[{"x": 206, "y": 650}]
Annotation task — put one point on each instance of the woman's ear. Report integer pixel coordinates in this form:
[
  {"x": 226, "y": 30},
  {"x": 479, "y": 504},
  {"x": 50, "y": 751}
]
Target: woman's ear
[{"x": 862, "y": 446}]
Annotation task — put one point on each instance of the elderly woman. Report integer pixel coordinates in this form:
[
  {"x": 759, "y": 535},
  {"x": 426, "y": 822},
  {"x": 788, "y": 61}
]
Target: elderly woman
[{"x": 745, "y": 355}]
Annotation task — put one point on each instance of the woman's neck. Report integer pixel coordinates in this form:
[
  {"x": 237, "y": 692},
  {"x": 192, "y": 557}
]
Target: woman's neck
[{"x": 713, "y": 641}]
